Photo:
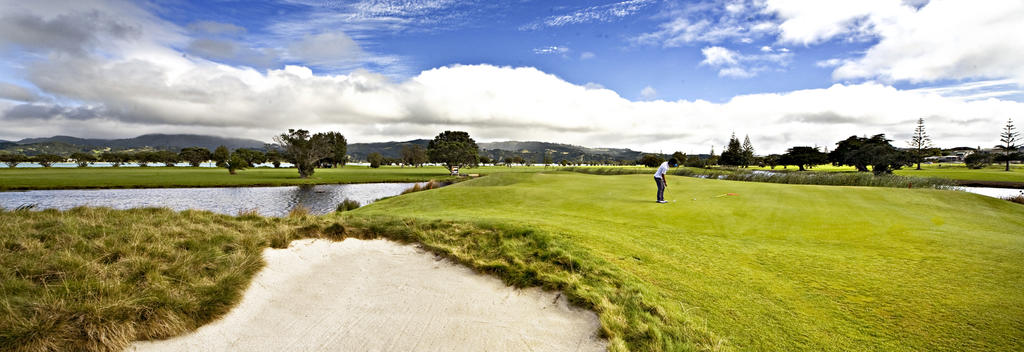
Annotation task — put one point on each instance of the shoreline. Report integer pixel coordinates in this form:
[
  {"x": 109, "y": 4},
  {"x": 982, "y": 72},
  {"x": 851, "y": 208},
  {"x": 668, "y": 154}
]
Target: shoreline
[{"x": 62, "y": 188}]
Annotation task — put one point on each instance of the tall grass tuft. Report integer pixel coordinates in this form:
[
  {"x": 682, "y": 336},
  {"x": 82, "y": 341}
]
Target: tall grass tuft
[
  {"x": 249, "y": 214},
  {"x": 299, "y": 211},
  {"x": 432, "y": 184},
  {"x": 1019, "y": 199},
  {"x": 95, "y": 279},
  {"x": 26, "y": 207},
  {"x": 347, "y": 205}
]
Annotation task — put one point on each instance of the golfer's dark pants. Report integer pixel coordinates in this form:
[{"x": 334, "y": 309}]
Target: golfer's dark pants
[{"x": 661, "y": 188}]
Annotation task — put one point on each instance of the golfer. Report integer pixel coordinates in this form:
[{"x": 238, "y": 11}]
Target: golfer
[{"x": 659, "y": 178}]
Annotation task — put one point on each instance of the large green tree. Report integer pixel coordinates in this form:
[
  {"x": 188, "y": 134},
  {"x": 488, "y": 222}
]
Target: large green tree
[
  {"x": 304, "y": 150},
  {"x": 145, "y": 157},
  {"x": 651, "y": 160},
  {"x": 1008, "y": 144},
  {"x": 251, "y": 157},
  {"x": 414, "y": 155},
  {"x": 733, "y": 154},
  {"x": 195, "y": 156},
  {"x": 274, "y": 157},
  {"x": 221, "y": 156},
  {"x": 920, "y": 143},
  {"x": 876, "y": 152},
  {"x": 47, "y": 160},
  {"x": 803, "y": 157},
  {"x": 168, "y": 157},
  {"x": 454, "y": 149},
  {"x": 115, "y": 158},
  {"x": 338, "y": 147},
  {"x": 12, "y": 160},
  {"x": 375, "y": 159},
  {"x": 83, "y": 159},
  {"x": 747, "y": 152}
]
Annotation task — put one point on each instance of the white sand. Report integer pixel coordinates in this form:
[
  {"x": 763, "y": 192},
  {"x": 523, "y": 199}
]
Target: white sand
[{"x": 378, "y": 295}]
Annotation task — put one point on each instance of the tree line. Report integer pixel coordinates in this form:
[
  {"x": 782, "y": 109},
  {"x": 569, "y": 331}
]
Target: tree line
[
  {"x": 456, "y": 149},
  {"x": 875, "y": 153},
  {"x": 305, "y": 151}
]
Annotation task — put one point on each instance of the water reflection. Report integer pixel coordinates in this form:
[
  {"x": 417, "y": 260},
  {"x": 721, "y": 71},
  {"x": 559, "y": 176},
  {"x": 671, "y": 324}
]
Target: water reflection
[{"x": 268, "y": 201}]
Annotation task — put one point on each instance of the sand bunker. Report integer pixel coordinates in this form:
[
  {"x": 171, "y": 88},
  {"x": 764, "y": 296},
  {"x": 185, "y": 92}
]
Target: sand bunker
[{"x": 382, "y": 296}]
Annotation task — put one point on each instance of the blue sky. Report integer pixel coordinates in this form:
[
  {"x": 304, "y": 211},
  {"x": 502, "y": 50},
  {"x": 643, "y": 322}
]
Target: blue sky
[
  {"x": 598, "y": 43},
  {"x": 645, "y": 74}
]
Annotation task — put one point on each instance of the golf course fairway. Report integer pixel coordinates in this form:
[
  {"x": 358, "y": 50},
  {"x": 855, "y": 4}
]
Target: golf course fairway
[{"x": 774, "y": 267}]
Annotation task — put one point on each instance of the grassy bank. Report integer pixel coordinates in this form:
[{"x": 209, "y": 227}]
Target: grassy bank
[
  {"x": 785, "y": 177},
  {"x": 951, "y": 171},
  {"x": 776, "y": 267},
  {"x": 154, "y": 177},
  {"x": 993, "y": 173},
  {"x": 96, "y": 279}
]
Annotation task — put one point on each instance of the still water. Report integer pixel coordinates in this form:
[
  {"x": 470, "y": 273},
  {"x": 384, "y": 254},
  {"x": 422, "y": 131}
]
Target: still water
[{"x": 268, "y": 201}]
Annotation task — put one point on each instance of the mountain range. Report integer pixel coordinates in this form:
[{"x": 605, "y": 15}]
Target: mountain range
[
  {"x": 532, "y": 151},
  {"x": 155, "y": 141}
]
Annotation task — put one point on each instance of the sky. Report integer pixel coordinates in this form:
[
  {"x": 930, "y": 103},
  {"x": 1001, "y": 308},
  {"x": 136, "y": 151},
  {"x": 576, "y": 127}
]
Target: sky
[{"x": 652, "y": 75}]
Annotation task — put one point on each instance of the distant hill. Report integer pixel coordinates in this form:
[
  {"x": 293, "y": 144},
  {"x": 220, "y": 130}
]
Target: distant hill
[
  {"x": 359, "y": 151},
  {"x": 59, "y": 148},
  {"x": 154, "y": 141},
  {"x": 533, "y": 151}
]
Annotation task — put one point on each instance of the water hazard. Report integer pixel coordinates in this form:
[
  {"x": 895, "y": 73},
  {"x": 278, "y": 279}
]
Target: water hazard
[{"x": 268, "y": 201}]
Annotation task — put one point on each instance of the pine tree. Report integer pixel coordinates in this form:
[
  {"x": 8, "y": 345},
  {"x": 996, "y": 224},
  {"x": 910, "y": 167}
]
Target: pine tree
[
  {"x": 748, "y": 152},
  {"x": 1009, "y": 138},
  {"x": 733, "y": 154},
  {"x": 920, "y": 141}
]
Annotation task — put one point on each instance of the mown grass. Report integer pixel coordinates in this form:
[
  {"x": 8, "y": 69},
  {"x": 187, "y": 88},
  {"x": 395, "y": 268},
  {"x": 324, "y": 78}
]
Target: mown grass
[
  {"x": 951, "y": 171},
  {"x": 96, "y": 279},
  {"x": 994, "y": 173},
  {"x": 153, "y": 177},
  {"x": 775, "y": 268},
  {"x": 778, "y": 267},
  {"x": 785, "y": 177}
]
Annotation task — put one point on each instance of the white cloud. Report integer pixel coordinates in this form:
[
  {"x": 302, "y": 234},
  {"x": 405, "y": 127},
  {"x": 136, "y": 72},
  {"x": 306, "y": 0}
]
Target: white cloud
[
  {"x": 586, "y": 55},
  {"x": 908, "y": 41},
  {"x": 554, "y": 49},
  {"x": 492, "y": 103},
  {"x": 599, "y": 13},
  {"x": 709, "y": 23},
  {"x": 828, "y": 63},
  {"x": 216, "y": 28},
  {"x": 736, "y": 65},
  {"x": 326, "y": 49},
  {"x": 15, "y": 92},
  {"x": 736, "y": 72},
  {"x": 718, "y": 56},
  {"x": 648, "y": 93},
  {"x": 149, "y": 86},
  {"x": 940, "y": 40}
]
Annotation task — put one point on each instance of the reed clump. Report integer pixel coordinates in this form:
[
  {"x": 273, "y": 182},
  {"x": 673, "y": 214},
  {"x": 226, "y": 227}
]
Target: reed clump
[
  {"x": 432, "y": 184},
  {"x": 346, "y": 205}
]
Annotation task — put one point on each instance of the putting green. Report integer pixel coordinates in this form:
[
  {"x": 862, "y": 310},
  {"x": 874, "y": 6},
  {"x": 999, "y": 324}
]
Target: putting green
[{"x": 780, "y": 267}]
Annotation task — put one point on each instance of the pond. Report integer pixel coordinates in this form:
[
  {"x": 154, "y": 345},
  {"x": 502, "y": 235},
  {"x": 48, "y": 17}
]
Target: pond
[
  {"x": 994, "y": 192},
  {"x": 268, "y": 201}
]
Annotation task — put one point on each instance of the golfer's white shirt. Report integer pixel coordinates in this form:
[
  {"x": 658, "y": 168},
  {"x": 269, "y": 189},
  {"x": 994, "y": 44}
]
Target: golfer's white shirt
[{"x": 661, "y": 170}]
